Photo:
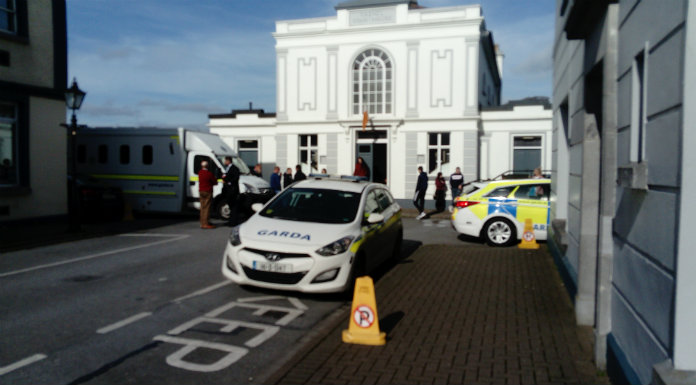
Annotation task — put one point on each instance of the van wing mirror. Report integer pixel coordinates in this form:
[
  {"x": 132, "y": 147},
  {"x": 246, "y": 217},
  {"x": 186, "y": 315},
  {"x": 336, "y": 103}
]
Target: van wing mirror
[{"x": 257, "y": 207}]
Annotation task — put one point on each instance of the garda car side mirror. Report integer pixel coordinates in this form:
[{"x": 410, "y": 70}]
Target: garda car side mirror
[
  {"x": 257, "y": 207},
  {"x": 375, "y": 218}
]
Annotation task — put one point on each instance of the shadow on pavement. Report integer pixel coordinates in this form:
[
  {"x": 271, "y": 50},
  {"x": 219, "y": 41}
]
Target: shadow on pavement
[
  {"x": 389, "y": 322},
  {"x": 26, "y": 234}
]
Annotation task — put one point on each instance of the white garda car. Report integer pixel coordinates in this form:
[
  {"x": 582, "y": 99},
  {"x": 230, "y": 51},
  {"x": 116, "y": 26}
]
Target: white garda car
[{"x": 316, "y": 236}]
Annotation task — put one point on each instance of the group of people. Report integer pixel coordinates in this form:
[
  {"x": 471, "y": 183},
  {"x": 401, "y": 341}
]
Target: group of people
[
  {"x": 456, "y": 181},
  {"x": 230, "y": 191}
]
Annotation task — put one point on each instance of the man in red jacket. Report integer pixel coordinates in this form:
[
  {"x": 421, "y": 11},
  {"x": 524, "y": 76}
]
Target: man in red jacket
[{"x": 206, "y": 181}]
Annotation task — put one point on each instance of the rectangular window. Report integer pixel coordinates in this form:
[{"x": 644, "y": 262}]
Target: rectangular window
[
  {"x": 103, "y": 153},
  {"x": 8, "y": 16},
  {"x": 124, "y": 153},
  {"x": 147, "y": 154},
  {"x": 309, "y": 153},
  {"x": 439, "y": 152},
  {"x": 249, "y": 152},
  {"x": 82, "y": 154},
  {"x": 8, "y": 145},
  {"x": 526, "y": 154},
  {"x": 638, "y": 96}
]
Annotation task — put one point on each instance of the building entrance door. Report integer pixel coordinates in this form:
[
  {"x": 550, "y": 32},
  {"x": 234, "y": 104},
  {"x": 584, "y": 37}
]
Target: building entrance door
[{"x": 372, "y": 147}]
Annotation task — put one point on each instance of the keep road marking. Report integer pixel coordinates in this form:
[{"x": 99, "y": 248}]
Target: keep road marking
[{"x": 22, "y": 363}]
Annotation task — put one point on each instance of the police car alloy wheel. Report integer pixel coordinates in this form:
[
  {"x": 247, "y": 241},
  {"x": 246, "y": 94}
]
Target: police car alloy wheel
[{"x": 499, "y": 232}]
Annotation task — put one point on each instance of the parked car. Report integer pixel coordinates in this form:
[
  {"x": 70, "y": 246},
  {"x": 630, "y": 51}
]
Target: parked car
[
  {"x": 317, "y": 236},
  {"x": 496, "y": 210}
]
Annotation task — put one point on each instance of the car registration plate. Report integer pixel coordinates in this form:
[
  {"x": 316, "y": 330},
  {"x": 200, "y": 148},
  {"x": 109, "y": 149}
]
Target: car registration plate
[{"x": 272, "y": 267}]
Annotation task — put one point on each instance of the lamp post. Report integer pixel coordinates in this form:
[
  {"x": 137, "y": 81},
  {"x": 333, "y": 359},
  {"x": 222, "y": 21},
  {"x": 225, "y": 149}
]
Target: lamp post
[{"x": 73, "y": 100}]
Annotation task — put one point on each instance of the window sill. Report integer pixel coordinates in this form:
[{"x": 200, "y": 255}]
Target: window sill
[
  {"x": 14, "y": 191},
  {"x": 14, "y": 38},
  {"x": 633, "y": 175}
]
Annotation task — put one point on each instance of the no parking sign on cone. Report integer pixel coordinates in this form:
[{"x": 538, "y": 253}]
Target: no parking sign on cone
[{"x": 363, "y": 326}]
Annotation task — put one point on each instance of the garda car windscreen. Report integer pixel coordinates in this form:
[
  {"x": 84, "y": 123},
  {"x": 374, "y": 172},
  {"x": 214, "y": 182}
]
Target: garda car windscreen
[{"x": 314, "y": 205}]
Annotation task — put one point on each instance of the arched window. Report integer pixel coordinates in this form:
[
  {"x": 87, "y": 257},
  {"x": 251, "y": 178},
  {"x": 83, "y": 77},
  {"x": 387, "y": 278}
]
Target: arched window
[{"x": 372, "y": 83}]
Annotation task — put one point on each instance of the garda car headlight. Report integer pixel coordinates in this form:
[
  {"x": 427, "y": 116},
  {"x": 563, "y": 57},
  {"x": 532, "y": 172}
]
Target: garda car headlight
[
  {"x": 250, "y": 188},
  {"x": 338, "y": 247},
  {"x": 235, "y": 240}
]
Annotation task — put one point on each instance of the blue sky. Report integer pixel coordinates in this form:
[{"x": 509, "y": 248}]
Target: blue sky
[{"x": 170, "y": 63}]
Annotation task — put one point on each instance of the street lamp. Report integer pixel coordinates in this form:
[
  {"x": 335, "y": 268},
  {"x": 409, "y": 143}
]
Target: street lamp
[{"x": 73, "y": 100}]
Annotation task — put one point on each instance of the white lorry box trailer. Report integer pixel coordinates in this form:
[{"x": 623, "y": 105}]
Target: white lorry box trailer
[{"x": 157, "y": 168}]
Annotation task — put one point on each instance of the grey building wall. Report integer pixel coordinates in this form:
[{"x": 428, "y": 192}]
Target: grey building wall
[
  {"x": 637, "y": 197},
  {"x": 332, "y": 152},
  {"x": 646, "y": 224}
]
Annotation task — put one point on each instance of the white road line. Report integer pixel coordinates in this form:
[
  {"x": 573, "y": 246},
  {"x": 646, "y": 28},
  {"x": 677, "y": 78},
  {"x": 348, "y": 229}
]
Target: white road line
[
  {"x": 27, "y": 361},
  {"x": 172, "y": 238},
  {"x": 204, "y": 290},
  {"x": 149, "y": 235},
  {"x": 120, "y": 324}
]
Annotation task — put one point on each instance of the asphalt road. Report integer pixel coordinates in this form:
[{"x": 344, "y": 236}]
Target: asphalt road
[{"x": 153, "y": 307}]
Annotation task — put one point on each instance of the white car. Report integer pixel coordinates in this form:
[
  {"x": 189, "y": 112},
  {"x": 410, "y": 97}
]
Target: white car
[{"x": 316, "y": 236}]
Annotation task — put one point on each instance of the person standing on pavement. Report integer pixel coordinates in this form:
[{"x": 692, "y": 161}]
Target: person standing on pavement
[
  {"x": 299, "y": 175},
  {"x": 440, "y": 193},
  {"x": 230, "y": 189},
  {"x": 456, "y": 184},
  {"x": 419, "y": 196},
  {"x": 275, "y": 180},
  {"x": 206, "y": 181},
  {"x": 287, "y": 178}
]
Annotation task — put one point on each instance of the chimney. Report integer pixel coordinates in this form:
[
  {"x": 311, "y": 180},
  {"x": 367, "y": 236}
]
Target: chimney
[
  {"x": 250, "y": 108},
  {"x": 499, "y": 56}
]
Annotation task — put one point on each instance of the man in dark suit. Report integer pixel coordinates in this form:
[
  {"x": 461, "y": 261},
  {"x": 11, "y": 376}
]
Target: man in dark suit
[{"x": 230, "y": 189}]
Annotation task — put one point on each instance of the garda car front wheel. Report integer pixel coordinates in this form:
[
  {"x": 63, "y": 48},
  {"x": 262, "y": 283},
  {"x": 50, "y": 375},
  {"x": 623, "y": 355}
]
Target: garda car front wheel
[{"x": 499, "y": 232}]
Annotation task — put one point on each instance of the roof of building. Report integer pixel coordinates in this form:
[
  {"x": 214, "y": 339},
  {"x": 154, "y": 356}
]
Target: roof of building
[
  {"x": 530, "y": 101},
  {"x": 352, "y": 4},
  {"x": 233, "y": 115}
]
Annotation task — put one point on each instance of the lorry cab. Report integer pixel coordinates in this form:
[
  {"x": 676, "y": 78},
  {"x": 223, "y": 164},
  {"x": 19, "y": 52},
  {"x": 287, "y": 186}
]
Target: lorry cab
[{"x": 157, "y": 169}]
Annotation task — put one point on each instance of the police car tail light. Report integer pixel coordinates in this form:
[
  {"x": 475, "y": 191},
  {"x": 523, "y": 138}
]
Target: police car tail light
[
  {"x": 235, "y": 240},
  {"x": 338, "y": 247},
  {"x": 465, "y": 204}
]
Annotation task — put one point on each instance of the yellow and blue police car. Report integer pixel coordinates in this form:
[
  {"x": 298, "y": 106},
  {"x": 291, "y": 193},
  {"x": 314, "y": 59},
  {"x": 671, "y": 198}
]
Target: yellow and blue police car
[
  {"x": 496, "y": 210},
  {"x": 315, "y": 236}
]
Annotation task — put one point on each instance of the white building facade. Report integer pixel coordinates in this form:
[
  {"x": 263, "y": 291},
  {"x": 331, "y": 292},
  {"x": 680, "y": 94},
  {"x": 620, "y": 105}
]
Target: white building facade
[{"x": 422, "y": 75}]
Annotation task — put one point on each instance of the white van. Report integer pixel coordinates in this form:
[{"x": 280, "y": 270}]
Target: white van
[{"x": 157, "y": 168}]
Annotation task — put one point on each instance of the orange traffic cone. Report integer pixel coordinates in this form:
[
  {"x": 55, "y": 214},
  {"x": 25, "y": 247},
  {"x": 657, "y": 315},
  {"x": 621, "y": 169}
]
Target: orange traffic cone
[
  {"x": 363, "y": 326},
  {"x": 528, "y": 237}
]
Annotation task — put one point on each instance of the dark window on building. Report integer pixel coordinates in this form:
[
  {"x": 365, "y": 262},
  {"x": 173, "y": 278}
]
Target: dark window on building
[
  {"x": 124, "y": 154},
  {"x": 439, "y": 152},
  {"x": 81, "y": 153},
  {"x": 309, "y": 153},
  {"x": 4, "y": 58},
  {"x": 8, "y": 144},
  {"x": 248, "y": 150},
  {"x": 526, "y": 154},
  {"x": 103, "y": 153},
  {"x": 147, "y": 154},
  {"x": 8, "y": 16}
]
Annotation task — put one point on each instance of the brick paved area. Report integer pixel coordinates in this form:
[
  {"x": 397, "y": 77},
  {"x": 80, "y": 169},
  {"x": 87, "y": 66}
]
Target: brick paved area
[{"x": 459, "y": 314}]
